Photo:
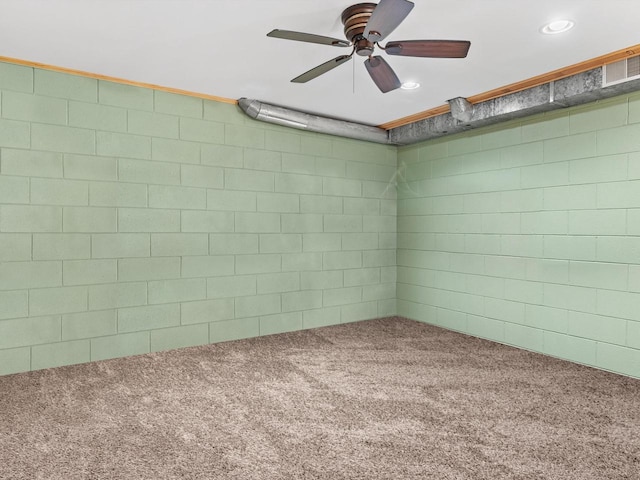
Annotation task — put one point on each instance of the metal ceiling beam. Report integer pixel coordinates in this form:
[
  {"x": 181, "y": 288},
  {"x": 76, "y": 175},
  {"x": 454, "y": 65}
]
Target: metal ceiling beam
[
  {"x": 570, "y": 91},
  {"x": 313, "y": 123}
]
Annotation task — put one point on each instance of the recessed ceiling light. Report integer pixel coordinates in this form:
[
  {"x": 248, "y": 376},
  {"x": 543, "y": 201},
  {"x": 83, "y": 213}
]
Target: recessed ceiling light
[
  {"x": 557, "y": 26},
  {"x": 410, "y": 85}
]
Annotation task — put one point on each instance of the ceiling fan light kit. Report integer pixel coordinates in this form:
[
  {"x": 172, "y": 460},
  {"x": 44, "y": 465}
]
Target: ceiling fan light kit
[{"x": 366, "y": 24}]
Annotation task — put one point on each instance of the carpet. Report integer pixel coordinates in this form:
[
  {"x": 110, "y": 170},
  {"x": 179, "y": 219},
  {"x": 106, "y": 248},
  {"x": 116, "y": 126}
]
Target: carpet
[{"x": 380, "y": 399}]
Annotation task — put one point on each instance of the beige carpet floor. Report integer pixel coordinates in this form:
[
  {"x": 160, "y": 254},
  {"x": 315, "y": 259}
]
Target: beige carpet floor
[{"x": 382, "y": 399}]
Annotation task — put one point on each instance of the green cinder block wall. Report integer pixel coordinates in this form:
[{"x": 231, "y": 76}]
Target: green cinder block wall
[
  {"x": 528, "y": 233},
  {"x": 134, "y": 220}
]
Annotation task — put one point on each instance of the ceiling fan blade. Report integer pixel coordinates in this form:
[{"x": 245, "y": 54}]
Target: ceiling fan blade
[
  {"x": 387, "y": 15},
  {"x": 382, "y": 74},
  {"x": 320, "y": 69},
  {"x": 307, "y": 37},
  {"x": 429, "y": 48}
]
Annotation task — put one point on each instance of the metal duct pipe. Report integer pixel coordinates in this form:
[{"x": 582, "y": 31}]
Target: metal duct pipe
[{"x": 305, "y": 121}]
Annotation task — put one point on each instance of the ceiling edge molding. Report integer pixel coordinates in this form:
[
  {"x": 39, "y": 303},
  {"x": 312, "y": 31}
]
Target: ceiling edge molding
[{"x": 123, "y": 81}]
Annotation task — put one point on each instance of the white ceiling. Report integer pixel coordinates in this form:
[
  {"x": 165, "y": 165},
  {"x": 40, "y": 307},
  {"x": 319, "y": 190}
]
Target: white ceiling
[{"x": 219, "y": 47}]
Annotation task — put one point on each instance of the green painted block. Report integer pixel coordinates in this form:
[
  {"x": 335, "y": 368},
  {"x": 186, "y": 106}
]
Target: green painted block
[
  {"x": 618, "y": 359},
  {"x": 248, "y": 180},
  {"x": 580, "y": 299},
  {"x": 320, "y": 204},
  {"x": 236, "y": 329},
  {"x": 321, "y": 280},
  {"x": 633, "y": 335},
  {"x": 175, "y": 104},
  {"x": 62, "y": 139},
  {"x": 222, "y": 155},
  {"x": 86, "y": 272},
  {"x": 547, "y": 125},
  {"x": 523, "y": 337},
  {"x": 183, "y": 290},
  {"x": 321, "y": 242},
  {"x": 121, "y": 245},
  {"x": 361, "y": 206},
  {"x": 209, "y": 222},
  {"x": 341, "y": 187},
  {"x": 15, "y": 134},
  {"x": 315, "y": 145},
  {"x": 280, "y": 243},
  {"x": 89, "y": 220},
  {"x": 15, "y": 247},
  {"x": 387, "y": 308},
  {"x": 361, "y": 276},
  {"x": 179, "y": 244},
  {"x": 14, "y": 304},
  {"x": 208, "y": 266},
  {"x": 301, "y": 223},
  {"x": 179, "y": 337},
  {"x": 148, "y": 220},
  {"x": 283, "y": 141},
  {"x": 59, "y": 246},
  {"x": 205, "y": 311},
  {"x": 231, "y": 200},
  {"x": 76, "y": 326},
  {"x": 243, "y": 136},
  {"x": 16, "y": 77},
  {"x": 257, "y": 223},
  {"x": 164, "y": 196},
  {"x": 296, "y": 163},
  {"x": 62, "y": 85},
  {"x": 123, "y": 145},
  {"x": 29, "y": 331},
  {"x": 201, "y": 176},
  {"x": 302, "y": 300},
  {"x": 228, "y": 243},
  {"x": 342, "y": 223},
  {"x": 379, "y": 258},
  {"x": 142, "y": 269},
  {"x": 17, "y": 275},
  {"x": 451, "y": 319},
  {"x": 387, "y": 224},
  {"x": 293, "y": 183},
  {"x": 321, "y": 317},
  {"x": 31, "y": 163},
  {"x": 278, "y": 282},
  {"x": 597, "y": 222},
  {"x": 15, "y": 360},
  {"x": 280, "y": 323},
  {"x": 597, "y": 327},
  {"x": 140, "y": 171},
  {"x": 60, "y": 354},
  {"x": 341, "y": 260},
  {"x": 52, "y": 301},
  {"x": 30, "y": 219},
  {"x": 46, "y": 191},
  {"x": 34, "y": 108},
  {"x": 126, "y": 96},
  {"x": 278, "y": 202},
  {"x": 257, "y": 305},
  {"x": 177, "y": 151},
  {"x": 152, "y": 124},
  {"x": 262, "y": 263},
  {"x": 201, "y": 130},
  {"x": 148, "y": 317},
  {"x": 90, "y": 167},
  {"x": 617, "y": 304},
  {"x": 341, "y": 296},
  {"x": 97, "y": 117},
  {"x": 117, "y": 295},
  {"x": 121, "y": 345},
  {"x": 255, "y": 159},
  {"x": 358, "y": 312},
  {"x": 488, "y": 328},
  {"x": 619, "y": 140},
  {"x": 301, "y": 262},
  {"x": 547, "y": 318},
  {"x": 14, "y": 189}
]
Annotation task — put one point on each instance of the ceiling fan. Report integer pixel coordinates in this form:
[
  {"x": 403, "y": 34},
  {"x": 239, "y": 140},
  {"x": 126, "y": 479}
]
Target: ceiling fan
[{"x": 366, "y": 24}]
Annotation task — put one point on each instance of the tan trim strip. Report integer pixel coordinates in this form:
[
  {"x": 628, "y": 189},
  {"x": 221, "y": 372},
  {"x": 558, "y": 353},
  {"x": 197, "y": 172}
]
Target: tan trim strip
[
  {"x": 81, "y": 73},
  {"x": 523, "y": 85}
]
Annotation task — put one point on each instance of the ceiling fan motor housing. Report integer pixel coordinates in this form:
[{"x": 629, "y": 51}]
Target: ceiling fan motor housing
[{"x": 354, "y": 19}]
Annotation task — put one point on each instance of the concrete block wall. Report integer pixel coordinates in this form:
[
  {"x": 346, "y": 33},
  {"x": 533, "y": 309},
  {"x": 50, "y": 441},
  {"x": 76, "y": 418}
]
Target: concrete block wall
[
  {"x": 528, "y": 233},
  {"x": 134, "y": 220}
]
